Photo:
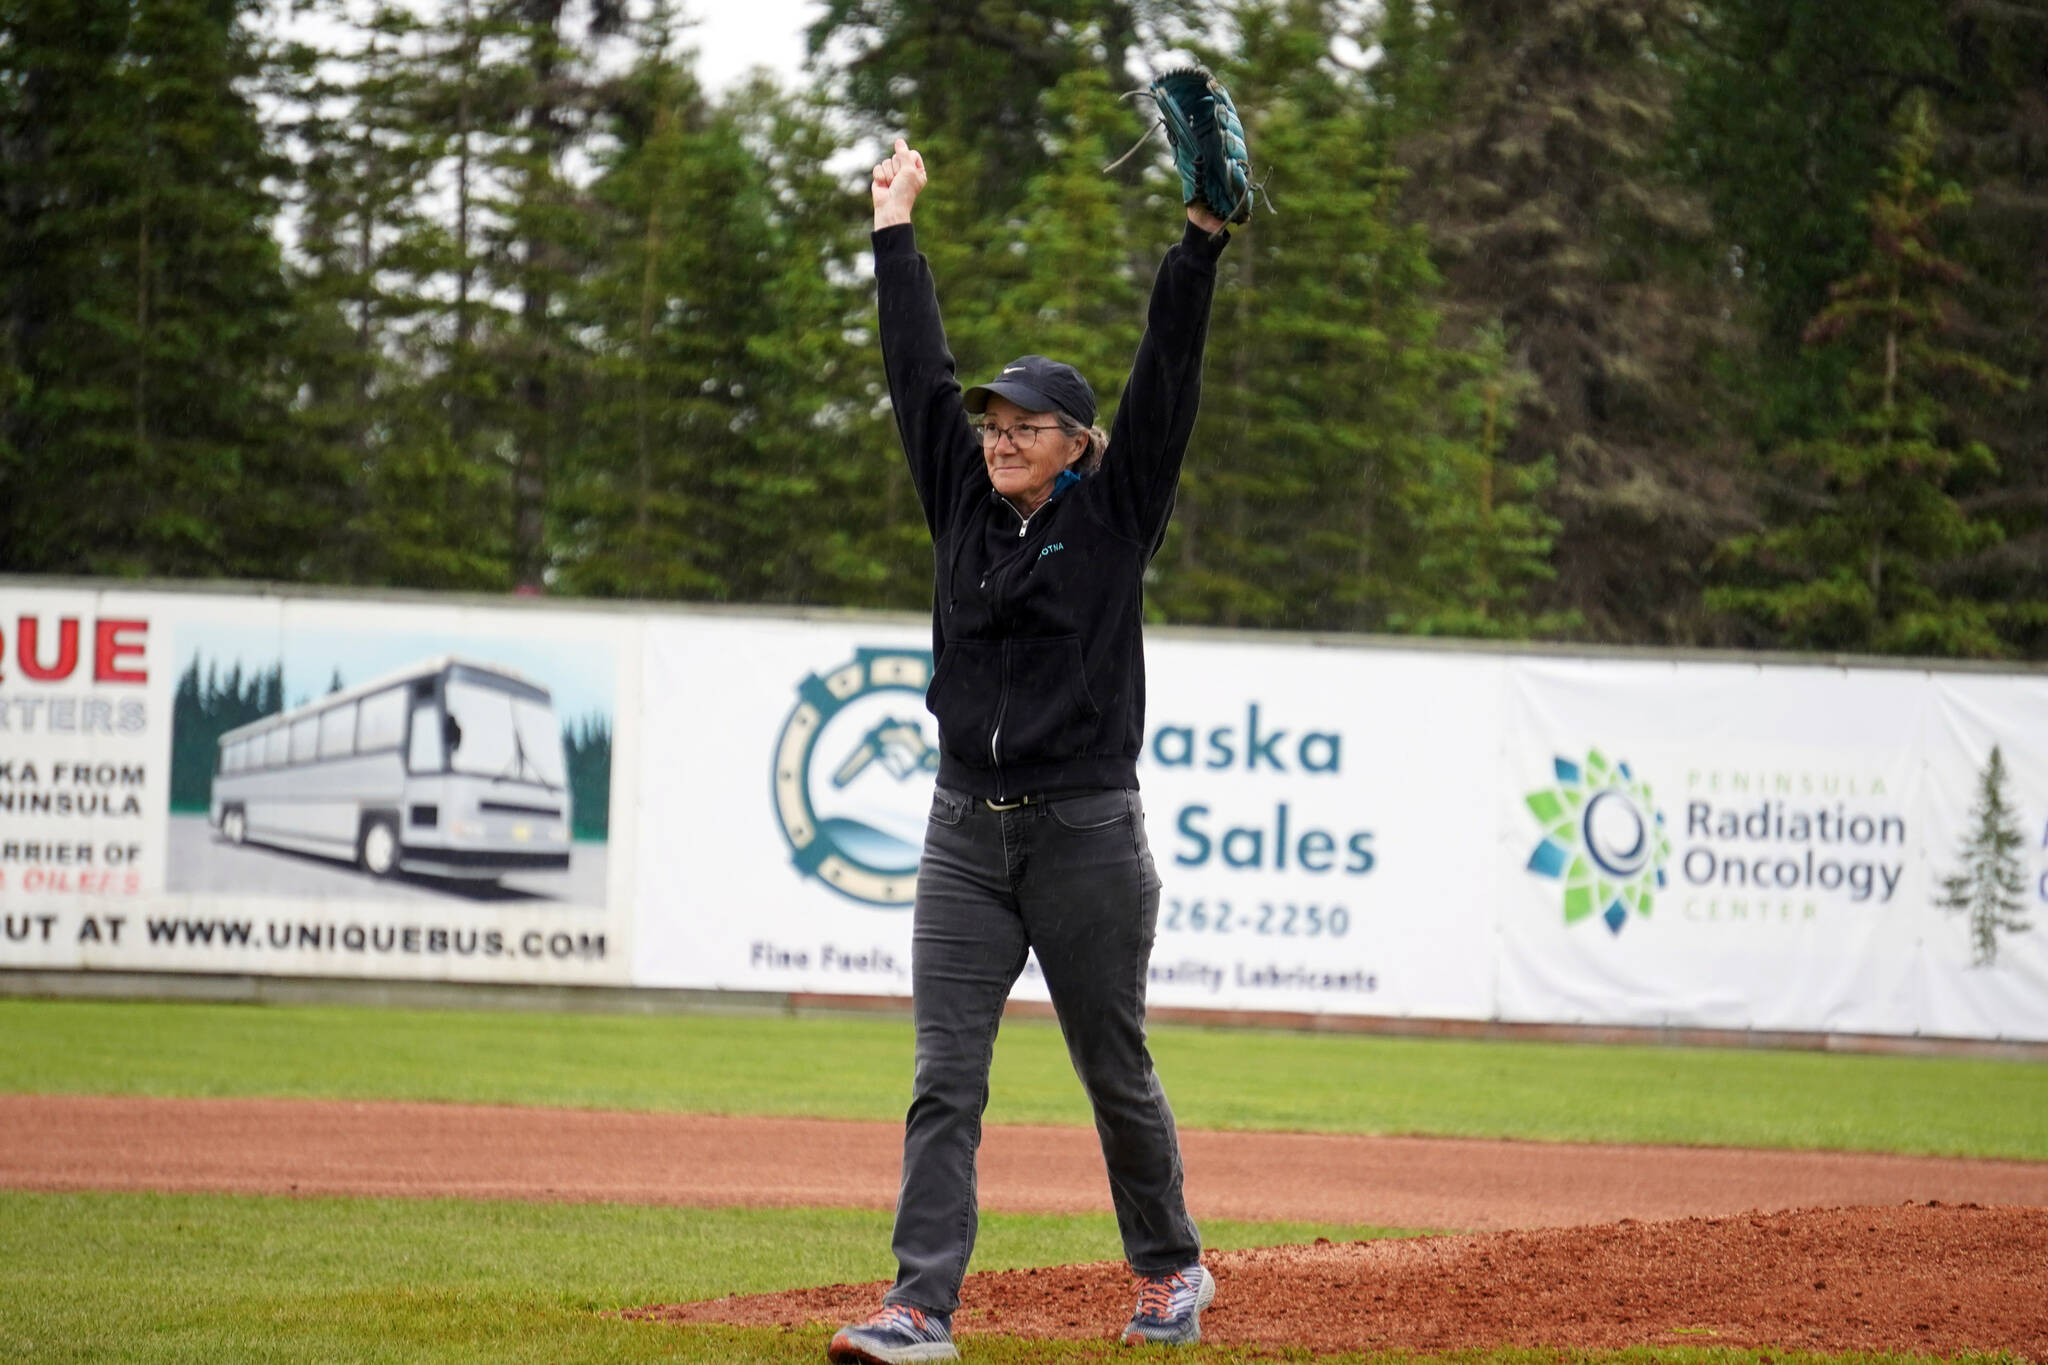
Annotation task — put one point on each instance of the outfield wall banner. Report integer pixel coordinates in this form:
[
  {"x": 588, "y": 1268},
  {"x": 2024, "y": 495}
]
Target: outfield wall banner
[
  {"x": 1371, "y": 830},
  {"x": 788, "y": 771},
  {"x": 213, "y": 782},
  {"x": 1312, "y": 837},
  {"x": 265, "y": 784},
  {"x": 1291, "y": 804},
  {"x": 1979, "y": 977},
  {"x": 1786, "y": 848}
]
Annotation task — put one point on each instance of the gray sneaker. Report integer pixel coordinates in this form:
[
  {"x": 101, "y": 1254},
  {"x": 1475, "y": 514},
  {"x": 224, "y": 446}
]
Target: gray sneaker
[
  {"x": 895, "y": 1335},
  {"x": 1170, "y": 1308}
]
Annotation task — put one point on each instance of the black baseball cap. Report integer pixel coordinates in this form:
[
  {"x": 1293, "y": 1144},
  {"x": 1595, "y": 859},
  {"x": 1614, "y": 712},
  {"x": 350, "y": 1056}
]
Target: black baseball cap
[{"x": 1036, "y": 384}]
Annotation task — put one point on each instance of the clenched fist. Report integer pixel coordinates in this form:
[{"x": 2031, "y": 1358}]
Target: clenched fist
[{"x": 897, "y": 183}]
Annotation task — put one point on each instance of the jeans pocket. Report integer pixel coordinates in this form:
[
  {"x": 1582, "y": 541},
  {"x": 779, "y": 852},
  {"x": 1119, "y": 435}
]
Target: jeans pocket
[
  {"x": 1090, "y": 811},
  {"x": 949, "y": 807}
]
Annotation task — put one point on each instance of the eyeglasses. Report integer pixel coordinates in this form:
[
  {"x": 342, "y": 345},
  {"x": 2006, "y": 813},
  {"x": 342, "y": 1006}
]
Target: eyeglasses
[{"x": 1022, "y": 436}]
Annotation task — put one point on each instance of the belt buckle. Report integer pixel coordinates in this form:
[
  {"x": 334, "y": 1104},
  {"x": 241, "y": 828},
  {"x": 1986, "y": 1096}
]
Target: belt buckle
[{"x": 1008, "y": 805}]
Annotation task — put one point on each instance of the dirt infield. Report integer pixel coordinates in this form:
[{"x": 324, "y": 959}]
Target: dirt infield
[
  {"x": 68, "y": 1142},
  {"x": 1919, "y": 1279},
  {"x": 1814, "y": 1250}
]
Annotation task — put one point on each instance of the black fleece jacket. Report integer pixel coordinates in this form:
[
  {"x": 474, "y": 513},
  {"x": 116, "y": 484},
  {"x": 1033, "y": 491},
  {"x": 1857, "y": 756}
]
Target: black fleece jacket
[{"x": 1039, "y": 662}]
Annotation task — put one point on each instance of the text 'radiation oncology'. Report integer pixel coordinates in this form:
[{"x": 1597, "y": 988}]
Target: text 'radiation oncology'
[{"x": 1803, "y": 835}]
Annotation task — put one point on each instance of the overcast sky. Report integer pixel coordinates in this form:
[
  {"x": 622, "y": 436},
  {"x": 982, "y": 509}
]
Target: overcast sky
[
  {"x": 734, "y": 36},
  {"x": 731, "y": 36}
]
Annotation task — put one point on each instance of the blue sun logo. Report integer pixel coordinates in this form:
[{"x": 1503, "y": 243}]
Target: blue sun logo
[{"x": 1603, "y": 838}]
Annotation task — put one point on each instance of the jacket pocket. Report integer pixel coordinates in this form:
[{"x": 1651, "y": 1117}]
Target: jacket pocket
[
  {"x": 1047, "y": 712},
  {"x": 963, "y": 695}
]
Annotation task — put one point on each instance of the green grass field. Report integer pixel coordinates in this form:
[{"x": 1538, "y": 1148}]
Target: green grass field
[
  {"x": 230, "y": 1278},
  {"x": 107, "y": 1277},
  {"x": 859, "y": 1067}
]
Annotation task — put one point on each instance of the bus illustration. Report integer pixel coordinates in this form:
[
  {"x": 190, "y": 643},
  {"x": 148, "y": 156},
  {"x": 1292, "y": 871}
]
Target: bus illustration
[{"x": 451, "y": 767}]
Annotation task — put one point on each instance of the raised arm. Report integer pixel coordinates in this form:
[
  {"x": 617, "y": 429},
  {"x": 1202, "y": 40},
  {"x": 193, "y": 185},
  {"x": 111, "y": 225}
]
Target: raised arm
[
  {"x": 923, "y": 390},
  {"x": 1156, "y": 417}
]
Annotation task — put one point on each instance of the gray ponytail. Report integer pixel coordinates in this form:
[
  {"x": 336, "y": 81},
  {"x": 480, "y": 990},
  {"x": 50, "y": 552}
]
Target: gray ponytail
[{"x": 1098, "y": 441}]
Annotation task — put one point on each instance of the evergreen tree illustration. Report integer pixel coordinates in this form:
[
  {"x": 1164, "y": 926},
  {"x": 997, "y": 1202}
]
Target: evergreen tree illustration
[{"x": 1990, "y": 885}]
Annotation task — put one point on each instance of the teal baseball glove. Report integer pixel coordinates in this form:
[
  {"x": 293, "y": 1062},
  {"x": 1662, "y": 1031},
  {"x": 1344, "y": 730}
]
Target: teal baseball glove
[{"x": 1208, "y": 142}]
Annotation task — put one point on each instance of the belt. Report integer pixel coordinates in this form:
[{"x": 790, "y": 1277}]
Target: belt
[{"x": 1012, "y": 805}]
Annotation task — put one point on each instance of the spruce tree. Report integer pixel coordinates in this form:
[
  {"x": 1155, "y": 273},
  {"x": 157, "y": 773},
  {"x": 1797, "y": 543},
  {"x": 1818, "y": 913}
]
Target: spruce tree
[
  {"x": 1787, "y": 125},
  {"x": 728, "y": 448},
  {"x": 1407, "y": 84},
  {"x": 367, "y": 270},
  {"x": 1993, "y": 116},
  {"x": 1784, "y": 124},
  {"x": 474, "y": 116},
  {"x": 1340, "y": 478},
  {"x": 1865, "y": 523},
  {"x": 440, "y": 501},
  {"x": 540, "y": 240},
  {"x": 658, "y": 425},
  {"x": 147, "y": 425},
  {"x": 969, "y": 77},
  {"x": 1477, "y": 537},
  {"x": 1991, "y": 887},
  {"x": 452, "y": 417},
  {"x": 854, "y": 536},
  {"x": 1543, "y": 184}
]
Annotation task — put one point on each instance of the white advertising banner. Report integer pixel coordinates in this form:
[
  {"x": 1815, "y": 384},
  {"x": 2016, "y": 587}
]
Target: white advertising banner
[
  {"x": 1712, "y": 845},
  {"x": 1981, "y": 969},
  {"x": 276, "y": 785},
  {"x": 1313, "y": 814},
  {"x": 445, "y": 789},
  {"x": 1735, "y": 846},
  {"x": 788, "y": 772},
  {"x": 1305, "y": 830}
]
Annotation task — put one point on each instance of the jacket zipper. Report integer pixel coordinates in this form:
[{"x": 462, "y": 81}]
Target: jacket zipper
[
  {"x": 1023, "y": 528},
  {"x": 995, "y": 734}
]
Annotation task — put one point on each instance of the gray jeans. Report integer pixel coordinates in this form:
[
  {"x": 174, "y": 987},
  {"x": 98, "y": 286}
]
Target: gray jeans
[{"x": 1072, "y": 880}]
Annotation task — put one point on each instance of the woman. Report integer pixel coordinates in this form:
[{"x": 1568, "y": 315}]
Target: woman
[{"x": 1041, "y": 529}]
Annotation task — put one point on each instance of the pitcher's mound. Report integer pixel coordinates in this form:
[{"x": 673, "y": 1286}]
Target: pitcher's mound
[{"x": 1920, "y": 1278}]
